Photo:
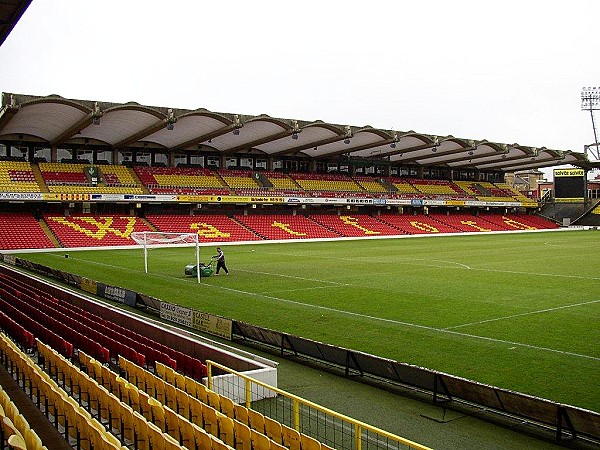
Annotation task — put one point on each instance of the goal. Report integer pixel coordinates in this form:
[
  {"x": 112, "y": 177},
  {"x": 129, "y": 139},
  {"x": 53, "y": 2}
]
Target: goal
[{"x": 158, "y": 239}]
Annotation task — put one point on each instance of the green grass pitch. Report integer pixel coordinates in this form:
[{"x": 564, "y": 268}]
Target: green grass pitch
[{"x": 518, "y": 311}]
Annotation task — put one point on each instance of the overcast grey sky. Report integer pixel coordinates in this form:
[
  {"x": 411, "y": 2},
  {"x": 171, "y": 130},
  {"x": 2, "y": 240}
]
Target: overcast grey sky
[{"x": 507, "y": 71}]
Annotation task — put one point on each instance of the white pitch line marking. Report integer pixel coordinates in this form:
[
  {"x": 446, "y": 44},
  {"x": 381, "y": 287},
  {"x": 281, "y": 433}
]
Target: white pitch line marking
[
  {"x": 294, "y": 277},
  {"x": 512, "y": 316},
  {"x": 298, "y": 289}
]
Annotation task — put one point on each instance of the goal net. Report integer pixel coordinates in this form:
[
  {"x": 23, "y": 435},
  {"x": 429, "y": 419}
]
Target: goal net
[{"x": 157, "y": 239}]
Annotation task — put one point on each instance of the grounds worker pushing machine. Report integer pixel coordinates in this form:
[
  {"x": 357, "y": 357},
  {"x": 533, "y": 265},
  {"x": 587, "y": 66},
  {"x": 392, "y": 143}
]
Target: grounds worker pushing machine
[
  {"x": 220, "y": 258},
  {"x": 217, "y": 262}
]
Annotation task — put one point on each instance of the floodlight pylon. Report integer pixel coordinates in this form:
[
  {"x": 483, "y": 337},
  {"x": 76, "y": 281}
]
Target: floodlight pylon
[{"x": 590, "y": 101}]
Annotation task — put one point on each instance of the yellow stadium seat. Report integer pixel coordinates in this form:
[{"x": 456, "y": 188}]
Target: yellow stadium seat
[
  {"x": 209, "y": 418},
  {"x": 158, "y": 413},
  {"x": 273, "y": 430},
  {"x": 17, "y": 442},
  {"x": 227, "y": 407},
  {"x": 243, "y": 436},
  {"x": 291, "y": 438},
  {"x": 140, "y": 432},
  {"x": 226, "y": 429},
  {"x": 309, "y": 443},
  {"x": 256, "y": 421},
  {"x": 33, "y": 441},
  {"x": 196, "y": 411},
  {"x": 203, "y": 439},
  {"x": 241, "y": 414},
  {"x": 187, "y": 433},
  {"x": 8, "y": 426},
  {"x": 214, "y": 399},
  {"x": 259, "y": 441}
]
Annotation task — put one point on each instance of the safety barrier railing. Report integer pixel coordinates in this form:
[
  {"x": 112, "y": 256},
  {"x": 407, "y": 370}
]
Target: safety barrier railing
[{"x": 327, "y": 426}]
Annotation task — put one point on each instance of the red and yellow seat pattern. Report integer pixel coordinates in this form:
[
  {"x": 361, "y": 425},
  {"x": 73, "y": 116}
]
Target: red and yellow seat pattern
[
  {"x": 355, "y": 225},
  {"x": 370, "y": 184},
  {"x": 238, "y": 179},
  {"x": 17, "y": 176},
  {"x": 95, "y": 231},
  {"x": 181, "y": 180},
  {"x": 285, "y": 226},
  {"x": 210, "y": 227},
  {"x": 328, "y": 184}
]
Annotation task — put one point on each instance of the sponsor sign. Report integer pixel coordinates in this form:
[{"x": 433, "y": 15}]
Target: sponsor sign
[
  {"x": 211, "y": 324},
  {"x": 139, "y": 197},
  {"x": 9, "y": 259},
  {"x": 176, "y": 314},
  {"x": 416, "y": 202},
  {"x": 21, "y": 196},
  {"x": 568, "y": 199},
  {"x": 89, "y": 285},
  {"x": 65, "y": 197},
  {"x": 116, "y": 294},
  {"x": 569, "y": 172}
]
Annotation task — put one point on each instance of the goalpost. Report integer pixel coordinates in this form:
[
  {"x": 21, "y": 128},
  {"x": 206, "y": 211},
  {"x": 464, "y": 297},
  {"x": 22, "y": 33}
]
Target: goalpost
[{"x": 157, "y": 239}]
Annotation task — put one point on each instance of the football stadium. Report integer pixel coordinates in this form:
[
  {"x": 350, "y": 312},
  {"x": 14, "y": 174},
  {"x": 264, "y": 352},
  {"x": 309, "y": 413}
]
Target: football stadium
[{"x": 190, "y": 279}]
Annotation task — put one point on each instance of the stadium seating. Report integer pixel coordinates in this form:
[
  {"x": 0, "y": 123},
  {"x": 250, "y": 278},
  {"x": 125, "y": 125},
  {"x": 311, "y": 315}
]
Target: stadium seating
[
  {"x": 86, "y": 230},
  {"x": 404, "y": 188},
  {"x": 416, "y": 224},
  {"x": 355, "y": 225},
  {"x": 370, "y": 184},
  {"x": 93, "y": 334},
  {"x": 69, "y": 178},
  {"x": 17, "y": 176},
  {"x": 21, "y": 231},
  {"x": 282, "y": 182},
  {"x": 438, "y": 188},
  {"x": 328, "y": 184},
  {"x": 15, "y": 430},
  {"x": 181, "y": 180},
  {"x": 182, "y": 406},
  {"x": 466, "y": 222},
  {"x": 238, "y": 179},
  {"x": 210, "y": 227},
  {"x": 507, "y": 190},
  {"x": 285, "y": 226},
  {"x": 537, "y": 222}
]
